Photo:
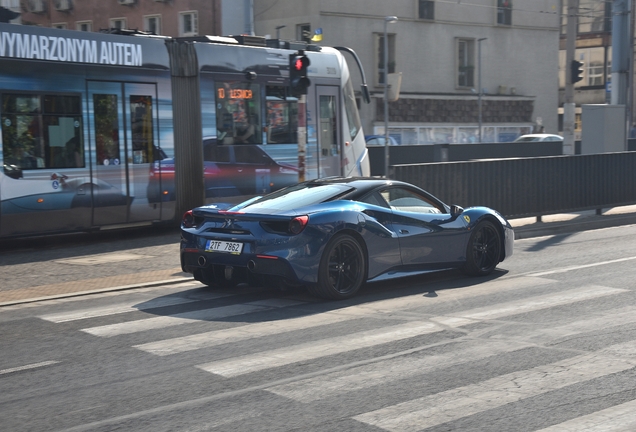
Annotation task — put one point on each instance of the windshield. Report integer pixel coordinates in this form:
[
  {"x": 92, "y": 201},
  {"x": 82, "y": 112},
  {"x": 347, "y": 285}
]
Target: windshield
[{"x": 293, "y": 197}]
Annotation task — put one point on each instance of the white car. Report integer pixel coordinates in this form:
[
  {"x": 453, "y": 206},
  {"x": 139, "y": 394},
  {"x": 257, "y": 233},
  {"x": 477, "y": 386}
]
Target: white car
[{"x": 539, "y": 137}]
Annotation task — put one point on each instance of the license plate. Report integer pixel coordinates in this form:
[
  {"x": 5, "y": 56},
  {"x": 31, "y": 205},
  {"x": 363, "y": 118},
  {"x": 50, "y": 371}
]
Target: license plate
[{"x": 224, "y": 246}]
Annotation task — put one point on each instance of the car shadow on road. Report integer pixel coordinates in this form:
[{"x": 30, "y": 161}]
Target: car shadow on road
[{"x": 247, "y": 305}]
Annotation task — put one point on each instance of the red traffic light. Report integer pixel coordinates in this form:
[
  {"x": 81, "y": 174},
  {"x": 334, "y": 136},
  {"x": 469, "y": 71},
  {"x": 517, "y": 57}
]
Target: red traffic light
[{"x": 301, "y": 62}]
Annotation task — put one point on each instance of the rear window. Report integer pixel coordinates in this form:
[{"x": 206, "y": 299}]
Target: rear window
[{"x": 294, "y": 197}]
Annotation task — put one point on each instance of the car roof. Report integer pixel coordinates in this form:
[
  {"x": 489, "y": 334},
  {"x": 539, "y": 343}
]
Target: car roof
[
  {"x": 540, "y": 136},
  {"x": 361, "y": 184}
]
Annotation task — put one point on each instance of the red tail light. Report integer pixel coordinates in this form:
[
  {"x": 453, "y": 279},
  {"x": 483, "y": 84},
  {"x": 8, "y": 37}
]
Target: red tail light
[
  {"x": 298, "y": 224},
  {"x": 188, "y": 219}
]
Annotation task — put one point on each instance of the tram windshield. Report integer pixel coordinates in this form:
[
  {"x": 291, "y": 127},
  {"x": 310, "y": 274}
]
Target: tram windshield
[{"x": 238, "y": 119}]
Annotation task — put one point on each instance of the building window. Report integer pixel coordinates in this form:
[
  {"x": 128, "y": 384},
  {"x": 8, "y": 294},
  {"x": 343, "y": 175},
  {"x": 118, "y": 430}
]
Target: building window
[
  {"x": 426, "y": 9},
  {"x": 465, "y": 63},
  {"x": 188, "y": 23},
  {"x": 303, "y": 32},
  {"x": 152, "y": 24},
  {"x": 504, "y": 12},
  {"x": 594, "y": 16},
  {"x": 380, "y": 56},
  {"x": 597, "y": 65},
  {"x": 118, "y": 23},
  {"x": 59, "y": 25},
  {"x": 86, "y": 26}
]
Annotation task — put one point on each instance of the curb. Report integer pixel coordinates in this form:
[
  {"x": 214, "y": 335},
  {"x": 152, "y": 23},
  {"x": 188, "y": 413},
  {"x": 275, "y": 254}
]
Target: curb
[{"x": 541, "y": 229}]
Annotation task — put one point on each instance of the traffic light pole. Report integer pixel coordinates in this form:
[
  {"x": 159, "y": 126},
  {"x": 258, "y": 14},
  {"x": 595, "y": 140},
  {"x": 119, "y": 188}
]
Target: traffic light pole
[
  {"x": 302, "y": 136},
  {"x": 569, "y": 106}
]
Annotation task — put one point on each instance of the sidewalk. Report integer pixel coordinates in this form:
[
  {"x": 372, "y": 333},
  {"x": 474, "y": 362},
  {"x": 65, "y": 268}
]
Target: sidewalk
[{"x": 119, "y": 261}]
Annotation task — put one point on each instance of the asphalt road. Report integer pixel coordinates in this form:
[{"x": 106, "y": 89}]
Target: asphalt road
[{"x": 548, "y": 342}]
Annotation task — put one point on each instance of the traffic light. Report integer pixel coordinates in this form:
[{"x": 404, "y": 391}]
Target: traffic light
[
  {"x": 576, "y": 71},
  {"x": 298, "y": 81}
]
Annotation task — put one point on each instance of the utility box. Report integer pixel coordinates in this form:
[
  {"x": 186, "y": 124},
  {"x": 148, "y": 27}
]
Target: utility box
[{"x": 603, "y": 129}]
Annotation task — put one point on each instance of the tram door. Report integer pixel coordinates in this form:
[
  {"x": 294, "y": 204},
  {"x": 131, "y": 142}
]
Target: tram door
[
  {"x": 328, "y": 130},
  {"x": 123, "y": 124}
]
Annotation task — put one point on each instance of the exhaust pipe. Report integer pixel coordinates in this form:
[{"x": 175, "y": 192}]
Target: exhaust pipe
[
  {"x": 202, "y": 261},
  {"x": 251, "y": 265}
]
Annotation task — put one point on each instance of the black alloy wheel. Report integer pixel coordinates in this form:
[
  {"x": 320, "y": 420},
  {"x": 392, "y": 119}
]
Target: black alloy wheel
[
  {"x": 342, "y": 269},
  {"x": 484, "y": 250}
]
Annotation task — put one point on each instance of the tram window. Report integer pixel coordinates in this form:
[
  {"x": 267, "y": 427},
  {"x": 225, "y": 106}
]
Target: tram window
[
  {"x": 42, "y": 131},
  {"x": 106, "y": 129},
  {"x": 141, "y": 126},
  {"x": 238, "y": 115},
  {"x": 282, "y": 117},
  {"x": 351, "y": 108}
]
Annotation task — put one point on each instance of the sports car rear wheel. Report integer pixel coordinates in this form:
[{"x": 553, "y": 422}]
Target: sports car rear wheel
[
  {"x": 484, "y": 249},
  {"x": 342, "y": 269}
]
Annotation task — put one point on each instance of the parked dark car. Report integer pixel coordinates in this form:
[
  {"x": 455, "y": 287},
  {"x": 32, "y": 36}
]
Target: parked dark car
[
  {"x": 229, "y": 170},
  {"x": 332, "y": 235},
  {"x": 379, "y": 140}
]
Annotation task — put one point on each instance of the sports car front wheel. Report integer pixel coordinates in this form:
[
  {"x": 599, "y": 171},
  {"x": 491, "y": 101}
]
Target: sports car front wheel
[
  {"x": 484, "y": 249},
  {"x": 342, "y": 269}
]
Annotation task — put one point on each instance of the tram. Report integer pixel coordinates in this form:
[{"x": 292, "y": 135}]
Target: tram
[{"x": 94, "y": 125}]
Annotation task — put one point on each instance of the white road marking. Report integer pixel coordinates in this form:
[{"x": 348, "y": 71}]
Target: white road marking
[
  {"x": 116, "y": 309},
  {"x": 450, "y": 405},
  {"x": 619, "y": 418},
  {"x": 174, "y": 320},
  {"x": 312, "y": 350},
  {"x": 530, "y": 304},
  {"x": 29, "y": 366},
  {"x": 106, "y": 258},
  {"x": 579, "y": 267},
  {"x": 250, "y": 331},
  {"x": 375, "y": 374}
]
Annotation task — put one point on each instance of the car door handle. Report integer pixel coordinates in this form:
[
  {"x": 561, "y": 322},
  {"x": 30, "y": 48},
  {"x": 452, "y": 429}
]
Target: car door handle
[{"x": 403, "y": 231}]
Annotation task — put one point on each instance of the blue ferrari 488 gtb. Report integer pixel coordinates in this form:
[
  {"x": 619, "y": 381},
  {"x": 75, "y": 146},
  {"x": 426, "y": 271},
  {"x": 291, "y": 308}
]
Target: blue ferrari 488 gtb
[{"x": 332, "y": 235}]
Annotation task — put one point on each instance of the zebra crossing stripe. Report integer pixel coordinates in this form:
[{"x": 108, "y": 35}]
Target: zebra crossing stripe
[
  {"x": 29, "y": 366},
  {"x": 302, "y": 352},
  {"x": 154, "y": 323},
  {"x": 361, "y": 377},
  {"x": 214, "y": 338},
  {"x": 535, "y": 303},
  {"x": 373, "y": 374},
  {"x": 312, "y": 350},
  {"x": 249, "y": 331},
  {"x": 114, "y": 309},
  {"x": 619, "y": 418},
  {"x": 464, "y": 401}
]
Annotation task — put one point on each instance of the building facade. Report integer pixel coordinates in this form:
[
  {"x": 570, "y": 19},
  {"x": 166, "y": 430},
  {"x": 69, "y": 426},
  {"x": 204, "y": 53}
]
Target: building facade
[
  {"x": 437, "y": 47},
  {"x": 593, "y": 22},
  {"x": 162, "y": 17}
]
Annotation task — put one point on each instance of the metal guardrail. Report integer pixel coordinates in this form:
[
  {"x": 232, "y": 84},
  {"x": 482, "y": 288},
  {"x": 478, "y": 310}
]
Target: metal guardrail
[{"x": 523, "y": 187}]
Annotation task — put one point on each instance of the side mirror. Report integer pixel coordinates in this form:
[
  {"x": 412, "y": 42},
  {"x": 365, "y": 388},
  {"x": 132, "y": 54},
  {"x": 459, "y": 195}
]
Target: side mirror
[
  {"x": 13, "y": 171},
  {"x": 456, "y": 210}
]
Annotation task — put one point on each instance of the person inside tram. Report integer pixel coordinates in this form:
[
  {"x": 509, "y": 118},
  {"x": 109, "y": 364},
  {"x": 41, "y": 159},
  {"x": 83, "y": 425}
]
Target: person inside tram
[{"x": 247, "y": 134}]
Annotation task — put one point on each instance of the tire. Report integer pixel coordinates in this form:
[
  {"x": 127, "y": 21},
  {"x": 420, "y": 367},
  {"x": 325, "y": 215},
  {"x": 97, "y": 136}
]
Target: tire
[
  {"x": 343, "y": 269},
  {"x": 484, "y": 250}
]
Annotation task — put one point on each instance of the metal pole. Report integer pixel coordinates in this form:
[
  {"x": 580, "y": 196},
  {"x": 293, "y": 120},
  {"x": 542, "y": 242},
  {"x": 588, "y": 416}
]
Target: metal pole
[
  {"x": 569, "y": 106},
  {"x": 479, "y": 82},
  {"x": 302, "y": 136},
  {"x": 387, "y": 20}
]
